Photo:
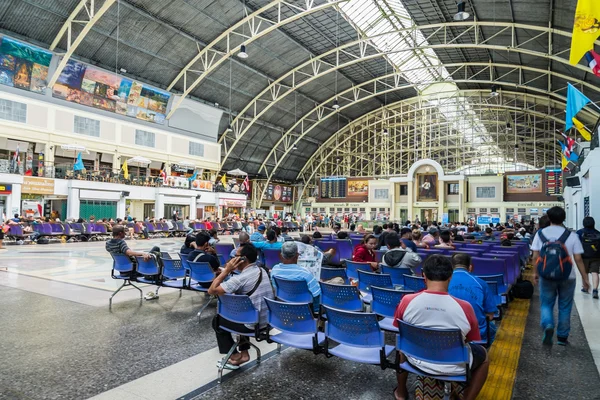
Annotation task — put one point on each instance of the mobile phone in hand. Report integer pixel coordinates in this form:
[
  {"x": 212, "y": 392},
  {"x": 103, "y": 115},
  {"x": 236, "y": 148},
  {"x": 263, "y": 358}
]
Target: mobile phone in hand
[{"x": 243, "y": 258}]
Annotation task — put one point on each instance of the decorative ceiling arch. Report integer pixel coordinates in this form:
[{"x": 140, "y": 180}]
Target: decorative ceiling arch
[{"x": 363, "y": 50}]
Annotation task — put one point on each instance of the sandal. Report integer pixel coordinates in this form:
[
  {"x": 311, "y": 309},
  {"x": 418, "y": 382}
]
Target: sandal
[{"x": 228, "y": 366}]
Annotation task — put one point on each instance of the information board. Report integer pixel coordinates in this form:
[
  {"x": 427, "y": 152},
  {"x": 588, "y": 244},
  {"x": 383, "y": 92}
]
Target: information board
[
  {"x": 553, "y": 182},
  {"x": 333, "y": 188}
]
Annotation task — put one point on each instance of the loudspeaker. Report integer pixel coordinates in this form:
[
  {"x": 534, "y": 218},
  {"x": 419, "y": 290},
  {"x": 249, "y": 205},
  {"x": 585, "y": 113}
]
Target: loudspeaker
[
  {"x": 124, "y": 194},
  {"x": 573, "y": 181},
  {"x": 570, "y": 166},
  {"x": 560, "y": 198}
]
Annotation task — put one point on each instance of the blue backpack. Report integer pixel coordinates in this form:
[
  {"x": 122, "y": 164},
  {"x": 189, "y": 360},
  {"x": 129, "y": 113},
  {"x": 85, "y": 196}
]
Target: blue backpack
[{"x": 554, "y": 262}]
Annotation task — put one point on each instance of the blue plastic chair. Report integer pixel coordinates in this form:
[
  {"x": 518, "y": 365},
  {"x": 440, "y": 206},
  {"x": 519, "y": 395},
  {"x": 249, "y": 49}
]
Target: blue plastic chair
[
  {"x": 174, "y": 275},
  {"x": 439, "y": 346},
  {"x": 148, "y": 268},
  {"x": 385, "y": 301},
  {"x": 292, "y": 291},
  {"x": 343, "y": 297},
  {"x": 224, "y": 248},
  {"x": 352, "y": 268},
  {"x": 238, "y": 309},
  {"x": 500, "y": 286},
  {"x": 358, "y": 335},
  {"x": 271, "y": 257},
  {"x": 123, "y": 264},
  {"x": 330, "y": 273},
  {"x": 414, "y": 283},
  {"x": 297, "y": 324},
  {"x": 379, "y": 255},
  {"x": 222, "y": 259},
  {"x": 200, "y": 272},
  {"x": 344, "y": 250},
  {"x": 397, "y": 274},
  {"x": 368, "y": 279}
]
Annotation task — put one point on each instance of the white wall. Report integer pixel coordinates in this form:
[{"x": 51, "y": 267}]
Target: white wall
[{"x": 575, "y": 196}]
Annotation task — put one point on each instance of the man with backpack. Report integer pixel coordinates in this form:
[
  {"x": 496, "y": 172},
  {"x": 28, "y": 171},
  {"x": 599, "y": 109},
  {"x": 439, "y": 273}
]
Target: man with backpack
[
  {"x": 556, "y": 251},
  {"x": 590, "y": 240}
]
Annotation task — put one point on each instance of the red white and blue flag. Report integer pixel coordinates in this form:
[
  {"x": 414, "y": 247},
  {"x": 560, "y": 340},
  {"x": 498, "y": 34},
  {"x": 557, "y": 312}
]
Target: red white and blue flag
[{"x": 593, "y": 60}]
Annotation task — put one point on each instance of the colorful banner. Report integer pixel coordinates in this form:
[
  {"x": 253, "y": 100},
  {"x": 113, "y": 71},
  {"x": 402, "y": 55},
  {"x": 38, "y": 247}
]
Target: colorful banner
[
  {"x": 531, "y": 183},
  {"x": 23, "y": 66},
  {"x": 278, "y": 193},
  {"x": 177, "y": 181},
  {"x": 83, "y": 84}
]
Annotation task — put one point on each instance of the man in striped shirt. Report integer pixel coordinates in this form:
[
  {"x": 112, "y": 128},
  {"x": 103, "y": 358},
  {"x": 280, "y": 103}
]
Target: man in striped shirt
[
  {"x": 435, "y": 308},
  {"x": 117, "y": 244}
]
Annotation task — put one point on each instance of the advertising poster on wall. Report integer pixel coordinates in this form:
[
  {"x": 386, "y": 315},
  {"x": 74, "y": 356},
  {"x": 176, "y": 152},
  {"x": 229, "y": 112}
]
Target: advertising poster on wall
[
  {"x": 358, "y": 188},
  {"x": 197, "y": 184},
  {"x": 427, "y": 187},
  {"x": 93, "y": 87},
  {"x": 530, "y": 183},
  {"x": 23, "y": 66},
  {"x": 279, "y": 193}
]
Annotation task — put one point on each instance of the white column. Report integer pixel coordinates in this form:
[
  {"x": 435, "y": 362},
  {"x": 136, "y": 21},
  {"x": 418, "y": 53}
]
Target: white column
[
  {"x": 122, "y": 207},
  {"x": 193, "y": 207},
  {"x": 441, "y": 198},
  {"x": 159, "y": 206},
  {"x": 411, "y": 200},
  {"x": 73, "y": 203},
  {"x": 13, "y": 202}
]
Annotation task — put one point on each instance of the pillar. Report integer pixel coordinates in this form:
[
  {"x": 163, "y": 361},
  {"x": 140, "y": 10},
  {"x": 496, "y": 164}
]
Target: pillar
[
  {"x": 193, "y": 207},
  {"x": 441, "y": 198},
  {"x": 462, "y": 199},
  {"x": 49, "y": 160},
  {"x": 122, "y": 208},
  {"x": 13, "y": 201},
  {"x": 159, "y": 206},
  {"x": 73, "y": 203},
  {"x": 411, "y": 200}
]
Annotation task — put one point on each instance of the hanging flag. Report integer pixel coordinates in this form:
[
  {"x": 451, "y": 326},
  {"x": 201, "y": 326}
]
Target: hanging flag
[
  {"x": 570, "y": 143},
  {"x": 125, "y": 170},
  {"x": 78, "y": 166},
  {"x": 582, "y": 129},
  {"x": 193, "y": 177},
  {"x": 224, "y": 180},
  {"x": 563, "y": 162},
  {"x": 586, "y": 29},
  {"x": 246, "y": 184},
  {"x": 569, "y": 155},
  {"x": 593, "y": 60},
  {"x": 575, "y": 102}
]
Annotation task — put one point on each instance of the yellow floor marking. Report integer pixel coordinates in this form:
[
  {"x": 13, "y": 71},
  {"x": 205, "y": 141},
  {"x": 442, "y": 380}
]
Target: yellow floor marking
[{"x": 506, "y": 350}]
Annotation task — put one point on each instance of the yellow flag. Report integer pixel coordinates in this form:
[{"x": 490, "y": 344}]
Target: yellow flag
[
  {"x": 224, "y": 180},
  {"x": 586, "y": 29},
  {"x": 584, "y": 132},
  {"x": 563, "y": 163},
  {"x": 125, "y": 170}
]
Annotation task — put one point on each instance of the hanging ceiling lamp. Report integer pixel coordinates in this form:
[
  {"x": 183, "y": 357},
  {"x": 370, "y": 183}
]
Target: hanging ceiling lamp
[
  {"x": 494, "y": 91},
  {"x": 294, "y": 147},
  {"x": 336, "y": 105},
  {"x": 242, "y": 54},
  {"x": 461, "y": 14},
  {"x": 385, "y": 132}
]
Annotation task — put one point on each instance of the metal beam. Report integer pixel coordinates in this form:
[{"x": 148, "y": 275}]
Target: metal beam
[
  {"x": 93, "y": 16},
  {"x": 355, "y": 52},
  {"x": 210, "y": 58}
]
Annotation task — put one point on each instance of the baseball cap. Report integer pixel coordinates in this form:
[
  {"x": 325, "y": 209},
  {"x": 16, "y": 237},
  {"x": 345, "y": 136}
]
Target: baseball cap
[{"x": 262, "y": 227}]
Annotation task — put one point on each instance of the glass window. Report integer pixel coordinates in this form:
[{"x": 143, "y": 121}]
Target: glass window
[
  {"x": 144, "y": 138},
  {"x": 486, "y": 192},
  {"x": 521, "y": 210},
  {"x": 13, "y": 111},
  {"x": 403, "y": 190},
  {"x": 196, "y": 149},
  {"x": 493, "y": 210},
  {"x": 87, "y": 126},
  {"x": 355, "y": 210},
  {"x": 471, "y": 210},
  {"x": 483, "y": 210},
  {"x": 452, "y": 188},
  {"x": 510, "y": 210},
  {"x": 322, "y": 210}
]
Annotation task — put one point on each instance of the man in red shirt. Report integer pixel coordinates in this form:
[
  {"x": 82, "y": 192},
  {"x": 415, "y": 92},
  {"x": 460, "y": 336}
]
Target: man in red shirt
[{"x": 435, "y": 308}]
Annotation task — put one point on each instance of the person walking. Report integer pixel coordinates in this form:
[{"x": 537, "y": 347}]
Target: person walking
[
  {"x": 590, "y": 241},
  {"x": 556, "y": 251}
]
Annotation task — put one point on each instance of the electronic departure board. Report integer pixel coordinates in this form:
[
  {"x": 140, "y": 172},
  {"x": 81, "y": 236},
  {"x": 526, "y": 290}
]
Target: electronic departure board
[
  {"x": 553, "y": 182},
  {"x": 333, "y": 188}
]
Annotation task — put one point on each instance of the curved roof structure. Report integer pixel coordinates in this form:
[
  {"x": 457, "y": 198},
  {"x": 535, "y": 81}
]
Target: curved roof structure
[{"x": 329, "y": 78}]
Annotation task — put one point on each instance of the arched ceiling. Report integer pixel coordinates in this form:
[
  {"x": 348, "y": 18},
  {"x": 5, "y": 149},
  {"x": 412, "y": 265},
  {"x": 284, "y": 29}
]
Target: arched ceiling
[{"x": 372, "y": 56}]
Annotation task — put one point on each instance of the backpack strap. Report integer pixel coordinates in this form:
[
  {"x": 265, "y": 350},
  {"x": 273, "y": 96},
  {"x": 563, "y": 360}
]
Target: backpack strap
[
  {"x": 258, "y": 281},
  {"x": 563, "y": 238},
  {"x": 542, "y": 237}
]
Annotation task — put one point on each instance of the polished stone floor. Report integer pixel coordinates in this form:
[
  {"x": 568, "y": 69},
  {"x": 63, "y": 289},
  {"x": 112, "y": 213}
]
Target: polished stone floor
[{"x": 60, "y": 340}]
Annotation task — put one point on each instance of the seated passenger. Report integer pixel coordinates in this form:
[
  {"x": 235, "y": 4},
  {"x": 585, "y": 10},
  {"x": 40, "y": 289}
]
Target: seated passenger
[
  {"x": 489, "y": 234},
  {"x": 417, "y": 239},
  {"x": 251, "y": 279},
  {"x": 406, "y": 238},
  {"x": 435, "y": 308},
  {"x": 284, "y": 234},
  {"x": 189, "y": 245},
  {"x": 445, "y": 241},
  {"x": 214, "y": 237},
  {"x": 399, "y": 256},
  {"x": 289, "y": 269},
  {"x": 203, "y": 252},
  {"x": 342, "y": 235},
  {"x": 117, "y": 245},
  {"x": 464, "y": 285},
  {"x": 271, "y": 242},
  {"x": 365, "y": 252},
  {"x": 431, "y": 239},
  {"x": 243, "y": 238},
  {"x": 456, "y": 235},
  {"x": 327, "y": 255},
  {"x": 258, "y": 235}
]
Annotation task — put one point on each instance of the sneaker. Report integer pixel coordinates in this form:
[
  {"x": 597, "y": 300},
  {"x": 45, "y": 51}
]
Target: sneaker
[
  {"x": 548, "y": 335},
  {"x": 595, "y": 293},
  {"x": 150, "y": 296},
  {"x": 562, "y": 341}
]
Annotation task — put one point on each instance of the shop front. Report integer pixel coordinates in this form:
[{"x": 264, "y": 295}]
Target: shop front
[
  {"x": 36, "y": 196},
  {"x": 231, "y": 205}
]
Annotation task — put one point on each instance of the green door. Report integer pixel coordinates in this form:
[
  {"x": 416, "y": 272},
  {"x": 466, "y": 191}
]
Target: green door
[{"x": 98, "y": 208}]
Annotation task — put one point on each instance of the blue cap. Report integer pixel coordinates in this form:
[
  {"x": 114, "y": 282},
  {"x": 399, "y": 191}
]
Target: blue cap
[{"x": 262, "y": 227}]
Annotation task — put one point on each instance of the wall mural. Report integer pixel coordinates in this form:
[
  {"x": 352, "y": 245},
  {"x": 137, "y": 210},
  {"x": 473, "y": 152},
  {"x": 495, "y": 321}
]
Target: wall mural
[
  {"x": 427, "y": 187},
  {"x": 83, "y": 84},
  {"x": 23, "y": 66}
]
